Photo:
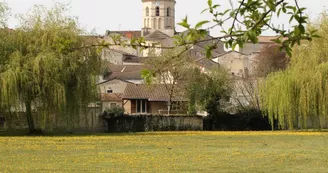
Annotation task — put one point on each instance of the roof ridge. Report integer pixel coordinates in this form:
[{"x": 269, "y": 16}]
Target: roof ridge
[{"x": 230, "y": 51}]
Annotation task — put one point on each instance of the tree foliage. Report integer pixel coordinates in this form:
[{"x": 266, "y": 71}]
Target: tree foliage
[
  {"x": 270, "y": 59},
  {"x": 249, "y": 20},
  {"x": 206, "y": 90},
  {"x": 183, "y": 78},
  {"x": 170, "y": 69},
  {"x": 44, "y": 72},
  {"x": 298, "y": 96},
  {"x": 3, "y": 14}
]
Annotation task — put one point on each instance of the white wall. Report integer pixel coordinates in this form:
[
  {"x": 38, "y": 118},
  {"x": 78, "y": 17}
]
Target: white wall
[
  {"x": 116, "y": 85},
  {"x": 234, "y": 62}
]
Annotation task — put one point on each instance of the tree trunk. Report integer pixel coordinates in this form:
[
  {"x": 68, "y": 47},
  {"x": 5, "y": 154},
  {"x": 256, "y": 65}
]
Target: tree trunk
[{"x": 29, "y": 117}]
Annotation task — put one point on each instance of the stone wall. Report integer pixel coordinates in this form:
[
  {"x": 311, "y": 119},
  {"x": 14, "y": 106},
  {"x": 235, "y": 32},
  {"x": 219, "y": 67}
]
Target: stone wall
[{"x": 88, "y": 121}]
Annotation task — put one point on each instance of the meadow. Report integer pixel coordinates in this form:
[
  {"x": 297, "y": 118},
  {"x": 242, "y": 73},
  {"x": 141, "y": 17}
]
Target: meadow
[{"x": 168, "y": 152}]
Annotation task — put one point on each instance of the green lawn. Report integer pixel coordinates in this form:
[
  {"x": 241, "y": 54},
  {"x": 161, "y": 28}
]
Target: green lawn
[{"x": 168, "y": 152}]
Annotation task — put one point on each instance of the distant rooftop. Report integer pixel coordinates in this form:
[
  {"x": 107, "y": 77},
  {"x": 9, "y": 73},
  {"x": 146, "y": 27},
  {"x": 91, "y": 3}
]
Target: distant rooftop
[
  {"x": 125, "y": 72},
  {"x": 154, "y": 92},
  {"x": 267, "y": 39},
  {"x": 127, "y": 34}
]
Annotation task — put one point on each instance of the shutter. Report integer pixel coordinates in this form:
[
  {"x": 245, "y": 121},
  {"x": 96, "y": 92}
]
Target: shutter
[
  {"x": 148, "y": 107},
  {"x": 133, "y": 106}
]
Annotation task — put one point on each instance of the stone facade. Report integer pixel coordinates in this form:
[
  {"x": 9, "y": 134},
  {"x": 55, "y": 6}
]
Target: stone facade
[
  {"x": 115, "y": 85},
  {"x": 234, "y": 62}
]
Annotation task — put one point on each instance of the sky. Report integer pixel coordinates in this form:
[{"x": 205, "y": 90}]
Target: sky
[{"x": 101, "y": 15}]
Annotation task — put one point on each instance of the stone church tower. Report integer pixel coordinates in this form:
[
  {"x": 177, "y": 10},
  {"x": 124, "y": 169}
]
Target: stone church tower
[{"x": 158, "y": 15}]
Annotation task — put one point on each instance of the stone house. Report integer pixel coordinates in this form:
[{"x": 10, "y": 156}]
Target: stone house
[
  {"x": 129, "y": 73},
  {"x": 111, "y": 92},
  {"x": 151, "y": 99},
  {"x": 236, "y": 63},
  {"x": 250, "y": 48}
]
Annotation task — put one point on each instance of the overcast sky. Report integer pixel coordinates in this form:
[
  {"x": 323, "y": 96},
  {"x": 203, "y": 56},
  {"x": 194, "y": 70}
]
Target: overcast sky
[{"x": 102, "y": 15}]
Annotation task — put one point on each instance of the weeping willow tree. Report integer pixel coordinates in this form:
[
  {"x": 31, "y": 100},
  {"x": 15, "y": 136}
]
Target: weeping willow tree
[
  {"x": 298, "y": 96},
  {"x": 47, "y": 72},
  {"x": 3, "y": 14}
]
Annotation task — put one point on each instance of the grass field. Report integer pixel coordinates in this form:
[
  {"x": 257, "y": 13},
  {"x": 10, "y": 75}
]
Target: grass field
[{"x": 168, "y": 152}]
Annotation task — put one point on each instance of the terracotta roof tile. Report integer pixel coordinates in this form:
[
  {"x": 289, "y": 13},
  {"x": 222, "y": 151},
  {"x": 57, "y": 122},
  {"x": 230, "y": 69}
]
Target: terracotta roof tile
[
  {"x": 127, "y": 34},
  {"x": 125, "y": 72},
  {"x": 266, "y": 39},
  {"x": 204, "y": 62},
  {"x": 156, "y": 35},
  {"x": 155, "y": 92},
  {"x": 125, "y": 68},
  {"x": 111, "y": 97}
]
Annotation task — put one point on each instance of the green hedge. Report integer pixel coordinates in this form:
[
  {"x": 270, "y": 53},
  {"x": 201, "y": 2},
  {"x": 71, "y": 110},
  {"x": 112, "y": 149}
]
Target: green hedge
[{"x": 144, "y": 123}]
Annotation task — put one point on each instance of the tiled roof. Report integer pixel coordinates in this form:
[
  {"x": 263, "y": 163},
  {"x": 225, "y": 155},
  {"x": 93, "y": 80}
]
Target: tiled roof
[
  {"x": 229, "y": 52},
  {"x": 132, "y": 59},
  {"x": 156, "y": 35},
  {"x": 111, "y": 97},
  {"x": 125, "y": 68},
  {"x": 155, "y": 92},
  {"x": 127, "y": 34},
  {"x": 206, "y": 63},
  {"x": 120, "y": 52},
  {"x": 128, "y": 57},
  {"x": 105, "y": 81},
  {"x": 266, "y": 39},
  {"x": 125, "y": 72}
]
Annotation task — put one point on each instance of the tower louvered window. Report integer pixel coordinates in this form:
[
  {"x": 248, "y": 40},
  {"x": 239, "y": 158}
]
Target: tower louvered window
[
  {"x": 147, "y": 11},
  {"x": 157, "y": 11}
]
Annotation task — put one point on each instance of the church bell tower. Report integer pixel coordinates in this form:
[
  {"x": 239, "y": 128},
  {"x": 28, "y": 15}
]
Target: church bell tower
[{"x": 158, "y": 15}]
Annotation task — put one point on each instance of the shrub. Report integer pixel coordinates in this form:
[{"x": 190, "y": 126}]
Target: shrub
[{"x": 113, "y": 112}]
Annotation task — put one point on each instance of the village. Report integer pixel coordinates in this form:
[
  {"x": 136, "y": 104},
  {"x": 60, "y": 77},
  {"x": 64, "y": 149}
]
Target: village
[
  {"x": 122, "y": 87},
  {"x": 125, "y": 87},
  {"x": 240, "y": 87}
]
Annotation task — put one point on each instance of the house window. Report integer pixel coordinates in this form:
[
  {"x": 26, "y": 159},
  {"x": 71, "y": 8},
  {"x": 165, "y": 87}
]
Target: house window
[
  {"x": 147, "y": 11},
  {"x": 141, "y": 106},
  {"x": 176, "y": 106},
  {"x": 112, "y": 105},
  {"x": 109, "y": 91},
  {"x": 168, "y": 12},
  {"x": 157, "y": 11}
]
